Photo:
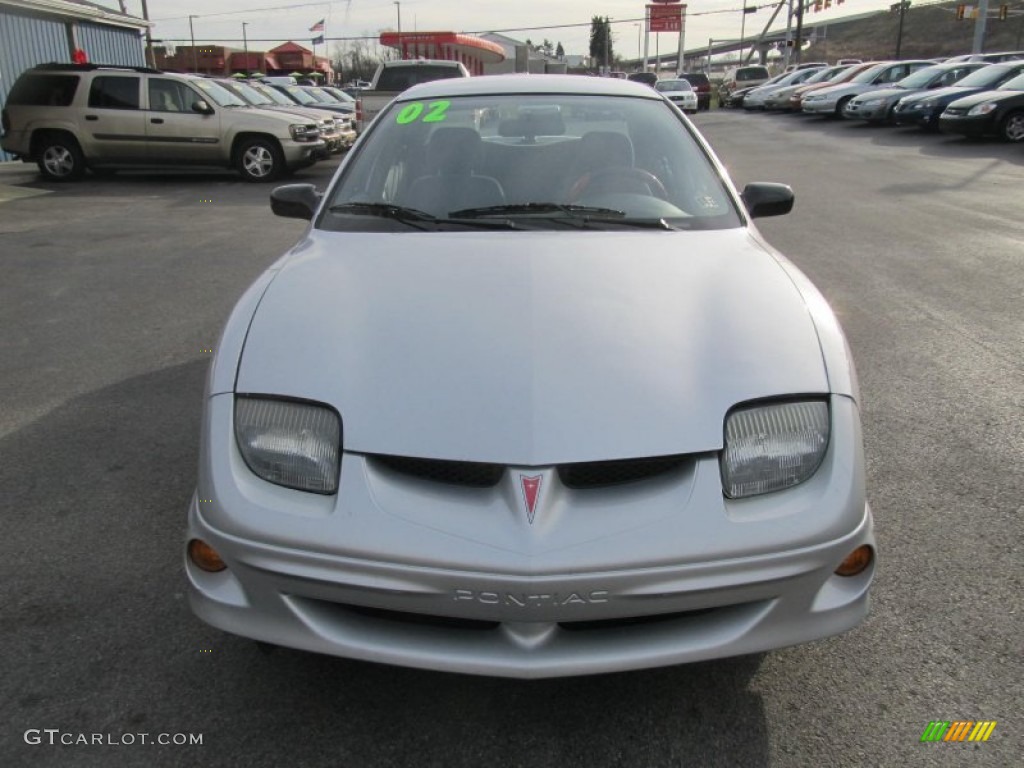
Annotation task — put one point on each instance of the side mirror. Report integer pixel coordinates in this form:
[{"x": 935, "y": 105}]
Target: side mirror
[
  {"x": 763, "y": 198},
  {"x": 202, "y": 107},
  {"x": 295, "y": 201}
]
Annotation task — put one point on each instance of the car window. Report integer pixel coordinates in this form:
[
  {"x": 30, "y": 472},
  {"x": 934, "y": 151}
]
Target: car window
[
  {"x": 752, "y": 73},
  {"x": 249, "y": 94},
  {"x": 400, "y": 78},
  {"x": 166, "y": 95},
  {"x": 273, "y": 94},
  {"x": 44, "y": 90},
  {"x": 632, "y": 156},
  {"x": 114, "y": 92},
  {"x": 299, "y": 95}
]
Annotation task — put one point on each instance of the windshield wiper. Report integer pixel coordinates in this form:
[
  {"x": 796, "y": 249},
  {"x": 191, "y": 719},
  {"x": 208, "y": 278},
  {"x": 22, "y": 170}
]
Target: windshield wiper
[
  {"x": 571, "y": 214},
  {"x": 570, "y": 209},
  {"x": 413, "y": 216}
]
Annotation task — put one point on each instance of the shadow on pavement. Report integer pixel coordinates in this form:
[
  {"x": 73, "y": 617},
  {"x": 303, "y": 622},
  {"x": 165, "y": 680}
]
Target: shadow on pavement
[{"x": 98, "y": 637}]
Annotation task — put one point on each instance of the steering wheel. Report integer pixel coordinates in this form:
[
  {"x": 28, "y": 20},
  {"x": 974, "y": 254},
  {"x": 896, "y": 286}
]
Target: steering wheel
[{"x": 620, "y": 173}]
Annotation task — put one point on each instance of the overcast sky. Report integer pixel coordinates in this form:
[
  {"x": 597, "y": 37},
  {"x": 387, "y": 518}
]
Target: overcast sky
[{"x": 279, "y": 20}]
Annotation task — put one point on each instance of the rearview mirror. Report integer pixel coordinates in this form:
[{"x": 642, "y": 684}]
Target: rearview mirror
[
  {"x": 763, "y": 198},
  {"x": 295, "y": 201},
  {"x": 202, "y": 107}
]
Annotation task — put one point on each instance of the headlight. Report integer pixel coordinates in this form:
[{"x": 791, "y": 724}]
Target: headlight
[
  {"x": 774, "y": 446},
  {"x": 926, "y": 104},
  {"x": 304, "y": 132},
  {"x": 982, "y": 109},
  {"x": 294, "y": 444}
]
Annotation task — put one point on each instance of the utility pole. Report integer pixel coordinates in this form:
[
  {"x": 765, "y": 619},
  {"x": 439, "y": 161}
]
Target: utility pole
[
  {"x": 979, "y": 27},
  {"x": 608, "y": 44},
  {"x": 901, "y": 7},
  {"x": 150, "y": 57},
  {"x": 401, "y": 47},
  {"x": 192, "y": 34},
  {"x": 799, "y": 31}
]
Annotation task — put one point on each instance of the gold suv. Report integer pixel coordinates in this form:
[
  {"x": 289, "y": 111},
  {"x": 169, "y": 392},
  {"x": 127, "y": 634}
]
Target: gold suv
[{"x": 69, "y": 117}]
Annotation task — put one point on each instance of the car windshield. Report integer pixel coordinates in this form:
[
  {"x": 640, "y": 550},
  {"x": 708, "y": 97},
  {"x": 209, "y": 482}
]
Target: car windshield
[
  {"x": 1017, "y": 84},
  {"x": 340, "y": 95},
  {"x": 922, "y": 77},
  {"x": 322, "y": 95},
  {"x": 514, "y": 161},
  {"x": 273, "y": 94},
  {"x": 300, "y": 95},
  {"x": 988, "y": 76},
  {"x": 673, "y": 85},
  {"x": 869, "y": 74},
  {"x": 823, "y": 75},
  {"x": 218, "y": 93},
  {"x": 250, "y": 94}
]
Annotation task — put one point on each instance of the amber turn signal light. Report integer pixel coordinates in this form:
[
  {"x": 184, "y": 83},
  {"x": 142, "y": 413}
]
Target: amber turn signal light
[
  {"x": 856, "y": 562},
  {"x": 204, "y": 556}
]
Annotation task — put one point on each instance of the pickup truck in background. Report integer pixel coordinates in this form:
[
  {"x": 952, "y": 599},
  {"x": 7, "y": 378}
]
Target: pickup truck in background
[{"x": 393, "y": 77}]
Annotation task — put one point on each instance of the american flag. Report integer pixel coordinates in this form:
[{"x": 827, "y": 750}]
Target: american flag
[{"x": 318, "y": 27}]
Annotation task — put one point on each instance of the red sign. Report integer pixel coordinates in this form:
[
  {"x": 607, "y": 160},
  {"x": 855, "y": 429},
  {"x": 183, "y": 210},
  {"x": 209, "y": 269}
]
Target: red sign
[{"x": 665, "y": 18}]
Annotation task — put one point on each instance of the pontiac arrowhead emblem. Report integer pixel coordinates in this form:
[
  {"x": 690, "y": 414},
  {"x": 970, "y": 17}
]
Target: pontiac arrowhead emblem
[{"x": 531, "y": 492}]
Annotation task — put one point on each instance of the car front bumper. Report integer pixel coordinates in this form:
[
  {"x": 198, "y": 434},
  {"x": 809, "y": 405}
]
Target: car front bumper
[
  {"x": 824, "y": 107},
  {"x": 874, "y": 113},
  {"x": 974, "y": 126},
  {"x": 407, "y": 571}
]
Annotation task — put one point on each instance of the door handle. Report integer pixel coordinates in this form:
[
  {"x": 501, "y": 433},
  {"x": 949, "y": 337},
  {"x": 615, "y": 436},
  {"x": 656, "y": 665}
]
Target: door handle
[
  {"x": 91, "y": 117},
  {"x": 157, "y": 120}
]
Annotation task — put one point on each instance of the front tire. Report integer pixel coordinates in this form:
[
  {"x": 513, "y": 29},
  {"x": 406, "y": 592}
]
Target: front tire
[
  {"x": 60, "y": 158},
  {"x": 1013, "y": 126},
  {"x": 260, "y": 160},
  {"x": 841, "y": 106}
]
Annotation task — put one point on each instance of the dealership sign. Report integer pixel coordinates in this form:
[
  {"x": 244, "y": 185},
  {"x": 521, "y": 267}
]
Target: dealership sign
[{"x": 665, "y": 17}]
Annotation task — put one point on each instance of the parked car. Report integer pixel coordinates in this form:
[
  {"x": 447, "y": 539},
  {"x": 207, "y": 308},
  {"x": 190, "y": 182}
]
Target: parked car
[
  {"x": 647, "y": 78},
  {"x": 742, "y": 77},
  {"x": 534, "y": 402},
  {"x": 336, "y": 132},
  {"x": 880, "y": 106},
  {"x": 924, "y": 109},
  {"x": 679, "y": 92},
  {"x": 755, "y": 99},
  {"x": 735, "y": 98},
  {"x": 69, "y": 117},
  {"x": 701, "y": 85},
  {"x": 990, "y": 113},
  {"x": 831, "y": 101},
  {"x": 780, "y": 97},
  {"x": 796, "y": 98}
]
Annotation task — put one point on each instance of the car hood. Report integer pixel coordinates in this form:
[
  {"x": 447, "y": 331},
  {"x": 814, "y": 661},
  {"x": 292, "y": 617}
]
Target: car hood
[
  {"x": 949, "y": 92},
  {"x": 983, "y": 96},
  {"x": 532, "y": 348}
]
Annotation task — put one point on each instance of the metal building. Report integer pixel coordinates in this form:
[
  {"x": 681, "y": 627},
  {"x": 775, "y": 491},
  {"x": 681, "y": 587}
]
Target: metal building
[{"x": 39, "y": 31}]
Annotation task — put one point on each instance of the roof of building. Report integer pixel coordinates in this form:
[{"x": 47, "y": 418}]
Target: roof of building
[{"x": 79, "y": 10}]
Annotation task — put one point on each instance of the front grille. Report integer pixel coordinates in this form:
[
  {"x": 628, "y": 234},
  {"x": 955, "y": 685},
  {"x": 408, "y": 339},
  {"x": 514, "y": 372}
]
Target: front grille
[
  {"x": 473, "y": 474},
  {"x": 601, "y": 474},
  {"x": 581, "y": 476}
]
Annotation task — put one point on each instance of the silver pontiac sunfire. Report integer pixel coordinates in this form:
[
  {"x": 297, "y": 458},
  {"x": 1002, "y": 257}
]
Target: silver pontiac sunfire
[{"x": 531, "y": 397}]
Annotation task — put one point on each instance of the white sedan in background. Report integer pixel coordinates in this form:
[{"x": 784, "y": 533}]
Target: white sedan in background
[
  {"x": 531, "y": 400},
  {"x": 679, "y": 92}
]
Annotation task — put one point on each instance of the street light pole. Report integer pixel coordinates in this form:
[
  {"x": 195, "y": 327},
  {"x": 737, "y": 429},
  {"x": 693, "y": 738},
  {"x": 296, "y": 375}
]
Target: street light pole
[
  {"x": 192, "y": 34},
  {"x": 743, "y": 28},
  {"x": 902, "y": 8},
  {"x": 608, "y": 44},
  {"x": 245, "y": 44},
  {"x": 401, "y": 47},
  {"x": 638, "y": 50}
]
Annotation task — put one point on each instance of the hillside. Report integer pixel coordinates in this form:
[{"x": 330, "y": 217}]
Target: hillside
[{"x": 928, "y": 32}]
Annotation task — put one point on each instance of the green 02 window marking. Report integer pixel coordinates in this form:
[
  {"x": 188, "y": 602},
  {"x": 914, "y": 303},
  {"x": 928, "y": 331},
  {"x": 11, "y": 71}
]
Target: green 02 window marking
[{"x": 436, "y": 112}]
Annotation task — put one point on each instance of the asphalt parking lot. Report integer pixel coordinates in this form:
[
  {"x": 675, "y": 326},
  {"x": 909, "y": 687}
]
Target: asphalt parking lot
[{"x": 111, "y": 290}]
